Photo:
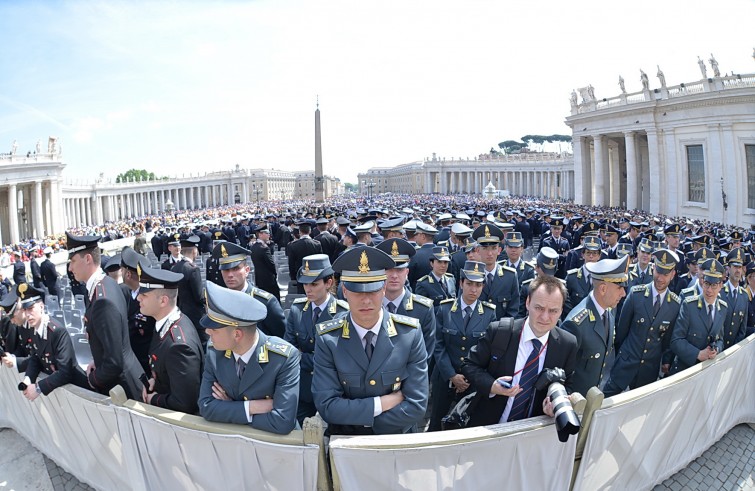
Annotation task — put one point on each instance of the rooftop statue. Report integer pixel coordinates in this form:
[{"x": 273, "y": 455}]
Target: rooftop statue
[
  {"x": 644, "y": 80},
  {"x": 703, "y": 69},
  {"x": 714, "y": 66},
  {"x": 621, "y": 85},
  {"x": 661, "y": 77}
]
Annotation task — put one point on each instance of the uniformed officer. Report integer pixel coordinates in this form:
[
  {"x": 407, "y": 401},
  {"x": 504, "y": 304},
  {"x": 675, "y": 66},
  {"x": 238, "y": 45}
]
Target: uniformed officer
[
  {"x": 461, "y": 322},
  {"x": 419, "y": 265},
  {"x": 233, "y": 262},
  {"x": 190, "y": 289},
  {"x": 392, "y": 228},
  {"x": 592, "y": 322},
  {"x": 514, "y": 246},
  {"x": 51, "y": 351},
  {"x": 174, "y": 249},
  {"x": 141, "y": 328},
  {"x": 641, "y": 272},
  {"x": 611, "y": 235},
  {"x": 249, "y": 377},
  {"x": 578, "y": 280},
  {"x": 735, "y": 325},
  {"x": 9, "y": 322},
  {"x": 317, "y": 277},
  {"x": 698, "y": 335},
  {"x": 750, "y": 290},
  {"x": 643, "y": 331},
  {"x": 370, "y": 366},
  {"x": 702, "y": 255},
  {"x": 546, "y": 264},
  {"x": 211, "y": 265},
  {"x": 105, "y": 321},
  {"x": 501, "y": 286},
  {"x": 439, "y": 284},
  {"x": 175, "y": 354},
  {"x": 558, "y": 243}
]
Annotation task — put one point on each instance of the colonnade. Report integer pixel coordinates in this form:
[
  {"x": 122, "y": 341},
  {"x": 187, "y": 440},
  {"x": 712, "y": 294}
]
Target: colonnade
[
  {"x": 29, "y": 210},
  {"x": 542, "y": 183}
]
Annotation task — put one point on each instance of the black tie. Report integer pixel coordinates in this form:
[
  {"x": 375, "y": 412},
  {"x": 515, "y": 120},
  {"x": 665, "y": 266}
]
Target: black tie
[
  {"x": 443, "y": 287},
  {"x": 368, "y": 347},
  {"x": 521, "y": 406},
  {"x": 467, "y": 315},
  {"x": 315, "y": 314},
  {"x": 710, "y": 314},
  {"x": 607, "y": 325},
  {"x": 240, "y": 367},
  {"x": 657, "y": 305},
  {"x": 489, "y": 280},
  {"x": 391, "y": 307}
]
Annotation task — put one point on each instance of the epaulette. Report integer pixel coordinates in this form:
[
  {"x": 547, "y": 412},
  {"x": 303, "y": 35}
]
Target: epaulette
[
  {"x": 343, "y": 304},
  {"x": 688, "y": 290},
  {"x": 442, "y": 243},
  {"x": 488, "y": 304},
  {"x": 572, "y": 271},
  {"x": 423, "y": 300},
  {"x": 527, "y": 282},
  {"x": 426, "y": 277},
  {"x": 331, "y": 325},
  {"x": 693, "y": 298},
  {"x": 447, "y": 300},
  {"x": 405, "y": 320},
  {"x": 638, "y": 288},
  {"x": 581, "y": 316},
  {"x": 300, "y": 300},
  {"x": 448, "y": 274},
  {"x": 279, "y": 347},
  {"x": 509, "y": 268},
  {"x": 262, "y": 293},
  {"x": 676, "y": 298},
  {"x": 723, "y": 302}
]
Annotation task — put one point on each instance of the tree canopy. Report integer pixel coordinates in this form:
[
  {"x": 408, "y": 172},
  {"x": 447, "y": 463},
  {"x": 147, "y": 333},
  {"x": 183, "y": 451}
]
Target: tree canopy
[
  {"x": 136, "y": 175},
  {"x": 513, "y": 146}
]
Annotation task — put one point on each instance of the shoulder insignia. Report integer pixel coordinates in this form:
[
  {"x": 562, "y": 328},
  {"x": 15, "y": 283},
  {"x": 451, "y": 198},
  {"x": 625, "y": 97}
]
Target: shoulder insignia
[
  {"x": 426, "y": 277},
  {"x": 448, "y": 274},
  {"x": 262, "y": 293},
  {"x": 690, "y": 299},
  {"x": 442, "y": 243},
  {"x": 343, "y": 304},
  {"x": 228, "y": 353},
  {"x": 331, "y": 325},
  {"x": 722, "y": 302},
  {"x": 279, "y": 347},
  {"x": 422, "y": 300},
  {"x": 638, "y": 288},
  {"x": 688, "y": 290},
  {"x": 581, "y": 316},
  {"x": 527, "y": 282},
  {"x": 447, "y": 300},
  {"x": 572, "y": 271},
  {"x": 300, "y": 300},
  {"x": 405, "y": 320},
  {"x": 488, "y": 305},
  {"x": 673, "y": 296},
  {"x": 507, "y": 268}
]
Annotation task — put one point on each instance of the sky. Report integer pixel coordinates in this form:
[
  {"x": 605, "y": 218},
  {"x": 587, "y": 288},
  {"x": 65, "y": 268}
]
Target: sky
[{"x": 188, "y": 87}]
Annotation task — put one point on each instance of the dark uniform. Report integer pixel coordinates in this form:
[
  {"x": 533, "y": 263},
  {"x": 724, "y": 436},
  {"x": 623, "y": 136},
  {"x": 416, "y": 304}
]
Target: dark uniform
[
  {"x": 265, "y": 273},
  {"x": 296, "y": 251},
  {"x": 36, "y": 273},
  {"x": 49, "y": 276},
  {"x": 19, "y": 271},
  {"x": 455, "y": 337},
  {"x": 190, "y": 290},
  {"x": 694, "y": 331},
  {"x": 560, "y": 245},
  {"x": 502, "y": 290},
  {"x": 419, "y": 265},
  {"x": 174, "y": 239},
  {"x": 275, "y": 322},
  {"x": 437, "y": 289},
  {"x": 578, "y": 285},
  {"x": 735, "y": 324},
  {"x": 420, "y": 308},
  {"x": 52, "y": 353}
]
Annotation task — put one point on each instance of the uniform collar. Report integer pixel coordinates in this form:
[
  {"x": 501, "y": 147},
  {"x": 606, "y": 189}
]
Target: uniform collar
[
  {"x": 362, "y": 332},
  {"x": 166, "y": 322},
  {"x": 597, "y": 305},
  {"x": 246, "y": 356},
  {"x": 398, "y": 301},
  {"x": 93, "y": 280}
]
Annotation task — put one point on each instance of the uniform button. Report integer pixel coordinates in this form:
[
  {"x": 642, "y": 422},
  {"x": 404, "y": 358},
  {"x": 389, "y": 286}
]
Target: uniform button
[
  {"x": 311, "y": 341},
  {"x": 372, "y": 382},
  {"x": 642, "y": 361},
  {"x": 648, "y": 340},
  {"x": 642, "y": 319},
  {"x": 651, "y": 328},
  {"x": 398, "y": 379},
  {"x": 463, "y": 348},
  {"x": 463, "y": 338},
  {"x": 645, "y": 351},
  {"x": 344, "y": 382},
  {"x": 312, "y": 372},
  {"x": 246, "y": 398},
  {"x": 267, "y": 397},
  {"x": 461, "y": 358}
]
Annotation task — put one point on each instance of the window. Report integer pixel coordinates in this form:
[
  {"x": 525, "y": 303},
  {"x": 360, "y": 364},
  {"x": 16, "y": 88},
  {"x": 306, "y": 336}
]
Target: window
[
  {"x": 750, "y": 160},
  {"x": 696, "y": 173}
]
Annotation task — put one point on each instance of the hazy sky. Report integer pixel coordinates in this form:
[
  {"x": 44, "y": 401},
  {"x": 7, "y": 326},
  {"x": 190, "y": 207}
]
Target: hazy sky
[{"x": 180, "y": 87}]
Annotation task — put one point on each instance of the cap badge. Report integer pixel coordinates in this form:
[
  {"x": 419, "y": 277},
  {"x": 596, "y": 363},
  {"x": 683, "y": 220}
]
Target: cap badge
[
  {"x": 487, "y": 231},
  {"x": 476, "y": 268},
  {"x": 713, "y": 267},
  {"x": 663, "y": 259},
  {"x": 22, "y": 290},
  {"x": 223, "y": 252},
  {"x": 364, "y": 266},
  {"x": 705, "y": 254},
  {"x": 176, "y": 236},
  {"x": 394, "y": 249},
  {"x": 139, "y": 270},
  {"x": 551, "y": 264},
  {"x": 306, "y": 266}
]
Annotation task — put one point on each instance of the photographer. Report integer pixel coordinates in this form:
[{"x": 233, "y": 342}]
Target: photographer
[{"x": 516, "y": 356}]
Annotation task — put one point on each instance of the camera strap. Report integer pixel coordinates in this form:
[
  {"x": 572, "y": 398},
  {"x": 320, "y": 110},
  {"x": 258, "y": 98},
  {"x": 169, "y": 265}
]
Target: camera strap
[{"x": 533, "y": 360}]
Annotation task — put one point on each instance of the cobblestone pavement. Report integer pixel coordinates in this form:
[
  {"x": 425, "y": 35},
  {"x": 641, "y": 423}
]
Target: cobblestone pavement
[
  {"x": 63, "y": 481},
  {"x": 729, "y": 465}
]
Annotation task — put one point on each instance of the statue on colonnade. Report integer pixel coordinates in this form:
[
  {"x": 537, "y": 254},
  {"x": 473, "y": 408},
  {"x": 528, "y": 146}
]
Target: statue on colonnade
[
  {"x": 661, "y": 77},
  {"x": 703, "y": 69},
  {"x": 644, "y": 80},
  {"x": 714, "y": 66},
  {"x": 621, "y": 85}
]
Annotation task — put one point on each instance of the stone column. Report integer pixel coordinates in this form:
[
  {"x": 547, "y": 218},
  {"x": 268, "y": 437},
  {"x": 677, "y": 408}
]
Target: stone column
[
  {"x": 655, "y": 172},
  {"x": 599, "y": 184},
  {"x": 632, "y": 184},
  {"x": 38, "y": 229},
  {"x": 13, "y": 214}
]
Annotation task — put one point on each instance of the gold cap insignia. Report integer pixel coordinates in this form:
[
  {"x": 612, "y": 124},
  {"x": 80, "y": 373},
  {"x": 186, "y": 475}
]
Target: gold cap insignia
[
  {"x": 223, "y": 252},
  {"x": 139, "y": 270},
  {"x": 306, "y": 266},
  {"x": 476, "y": 268},
  {"x": 394, "y": 249},
  {"x": 713, "y": 267},
  {"x": 22, "y": 290},
  {"x": 663, "y": 259},
  {"x": 487, "y": 231},
  {"x": 551, "y": 264},
  {"x": 176, "y": 236},
  {"x": 705, "y": 254},
  {"x": 364, "y": 266}
]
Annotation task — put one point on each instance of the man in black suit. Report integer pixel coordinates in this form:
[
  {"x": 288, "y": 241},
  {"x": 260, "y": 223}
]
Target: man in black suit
[
  {"x": 174, "y": 248},
  {"x": 298, "y": 249},
  {"x": 141, "y": 327},
  {"x": 533, "y": 344},
  {"x": 19, "y": 269},
  {"x": 105, "y": 321},
  {"x": 265, "y": 273},
  {"x": 750, "y": 290},
  {"x": 157, "y": 244},
  {"x": 190, "y": 291},
  {"x": 36, "y": 271},
  {"x": 328, "y": 241},
  {"x": 49, "y": 273}
]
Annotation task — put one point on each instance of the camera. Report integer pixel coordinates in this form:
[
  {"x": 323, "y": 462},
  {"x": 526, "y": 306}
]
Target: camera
[
  {"x": 22, "y": 386},
  {"x": 567, "y": 421}
]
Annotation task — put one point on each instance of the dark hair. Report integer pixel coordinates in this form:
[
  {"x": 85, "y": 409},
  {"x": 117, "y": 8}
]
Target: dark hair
[
  {"x": 550, "y": 283},
  {"x": 305, "y": 228},
  {"x": 95, "y": 253}
]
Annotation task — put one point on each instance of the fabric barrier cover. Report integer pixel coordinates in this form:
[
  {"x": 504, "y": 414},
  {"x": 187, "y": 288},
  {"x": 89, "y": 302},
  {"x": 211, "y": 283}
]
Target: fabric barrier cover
[
  {"x": 533, "y": 459},
  {"x": 172, "y": 457},
  {"x": 78, "y": 433},
  {"x": 639, "y": 444}
]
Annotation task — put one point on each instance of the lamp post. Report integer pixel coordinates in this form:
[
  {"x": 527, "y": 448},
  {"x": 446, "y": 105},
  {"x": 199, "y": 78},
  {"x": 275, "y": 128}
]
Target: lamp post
[
  {"x": 256, "y": 192},
  {"x": 370, "y": 185},
  {"x": 723, "y": 197}
]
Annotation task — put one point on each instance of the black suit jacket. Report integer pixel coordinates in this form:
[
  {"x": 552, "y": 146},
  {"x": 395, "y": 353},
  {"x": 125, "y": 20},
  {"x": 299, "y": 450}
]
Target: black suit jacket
[
  {"x": 492, "y": 359},
  {"x": 330, "y": 245},
  {"x": 190, "y": 294},
  {"x": 19, "y": 272},
  {"x": 265, "y": 274},
  {"x": 298, "y": 250},
  {"x": 50, "y": 276}
]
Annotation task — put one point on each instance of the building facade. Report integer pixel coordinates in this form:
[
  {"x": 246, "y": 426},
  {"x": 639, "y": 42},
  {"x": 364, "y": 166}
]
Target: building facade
[
  {"x": 547, "y": 175},
  {"x": 682, "y": 150}
]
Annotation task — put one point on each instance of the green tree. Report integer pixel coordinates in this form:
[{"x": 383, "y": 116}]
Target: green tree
[
  {"x": 349, "y": 187},
  {"x": 136, "y": 175}
]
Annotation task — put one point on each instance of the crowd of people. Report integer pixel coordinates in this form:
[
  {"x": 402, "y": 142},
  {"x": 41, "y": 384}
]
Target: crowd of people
[{"x": 400, "y": 309}]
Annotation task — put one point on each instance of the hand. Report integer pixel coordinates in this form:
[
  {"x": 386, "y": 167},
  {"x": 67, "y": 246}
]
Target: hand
[
  {"x": 8, "y": 361},
  {"x": 665, "y": 368},
  {"x": 548, "y": 407},
  {"x": 218, "y": 392},
  {"x": 713, "y": 353},
  {"x": 389, "y": 401},
  {"x": 705, "y": 354},
  {"x": 90, "y": 368},
  {"x": 147, "y": 396},
  {"x": 260, "y": 406},
  {"x": 31, "y": 392},
  {"x": 500, "y": 390},
  {"x": 460, "y": 383}
]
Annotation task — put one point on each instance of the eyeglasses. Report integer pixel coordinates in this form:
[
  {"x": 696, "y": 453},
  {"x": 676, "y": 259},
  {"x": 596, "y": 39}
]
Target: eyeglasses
[{"x": 707, "y": 284}]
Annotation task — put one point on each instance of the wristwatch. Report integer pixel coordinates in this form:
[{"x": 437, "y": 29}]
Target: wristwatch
[{"x": 39, "y": 391}]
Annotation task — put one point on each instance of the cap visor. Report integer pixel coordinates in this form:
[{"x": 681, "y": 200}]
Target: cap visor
[{"x": 370, "y": 287}]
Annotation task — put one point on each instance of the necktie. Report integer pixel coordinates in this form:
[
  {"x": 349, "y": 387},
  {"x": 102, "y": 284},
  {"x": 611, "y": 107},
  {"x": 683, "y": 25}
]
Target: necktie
[
  {"x": 443, "y": 287},
  {"x": 657, "y": 305},
  {"x": 315, "y": 314},
  {"x": 368, "y": 347},
  {"x": 467, "y": 315},
  {"x": 710, "y": 315},
  {"x": 240, "y": 367},
  {"x": 521, "y": 407},
  {"x": 391, "y": 307},
  {"x": 489, "y": 280},
  {"x": 607, "y": 325}
]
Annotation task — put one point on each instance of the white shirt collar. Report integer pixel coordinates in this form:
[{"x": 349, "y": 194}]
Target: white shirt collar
[
  {"x": 41, "y": 330},
  {"x": 323, "y": 306},
  {"x": 654, "y": 292},
  {"x": 162, "y": 325},
  {"x": 362, "y": 332},
  {"x": 397, "y": 301},
  {"x": 246, "y": 356},
  {"x": 597, "y": 305},
  {"x": 464, "y": 304},
  {"x": 93, "y": 280},
  {"x": 528, "y": 335}
]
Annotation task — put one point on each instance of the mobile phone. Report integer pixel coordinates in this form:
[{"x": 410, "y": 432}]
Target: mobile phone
[{"x": 504, "y": 384}]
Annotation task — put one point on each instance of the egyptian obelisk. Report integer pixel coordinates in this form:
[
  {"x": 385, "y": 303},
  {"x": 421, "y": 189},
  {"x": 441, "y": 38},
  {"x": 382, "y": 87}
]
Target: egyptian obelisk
[{"x": 319, "y": 194}]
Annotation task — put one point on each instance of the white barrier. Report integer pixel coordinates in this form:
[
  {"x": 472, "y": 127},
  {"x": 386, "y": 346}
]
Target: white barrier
[
  {"x": 640, "y": 438},
  {"x": 523, "y": 455}
]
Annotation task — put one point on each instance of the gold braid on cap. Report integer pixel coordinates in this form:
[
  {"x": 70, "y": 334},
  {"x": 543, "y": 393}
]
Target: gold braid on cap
[
  {"x": 476, "y": 268},
  {"x": 138, "y": 271},
  {"x": 364, "y": 266},
  {"x": 713, "y": 267}
]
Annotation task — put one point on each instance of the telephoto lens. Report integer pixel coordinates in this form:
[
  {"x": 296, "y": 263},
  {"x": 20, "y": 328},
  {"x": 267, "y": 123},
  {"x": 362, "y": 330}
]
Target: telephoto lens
[
  {"x": 567, "y": 421},
  {"x": 22, "y": 386}
]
